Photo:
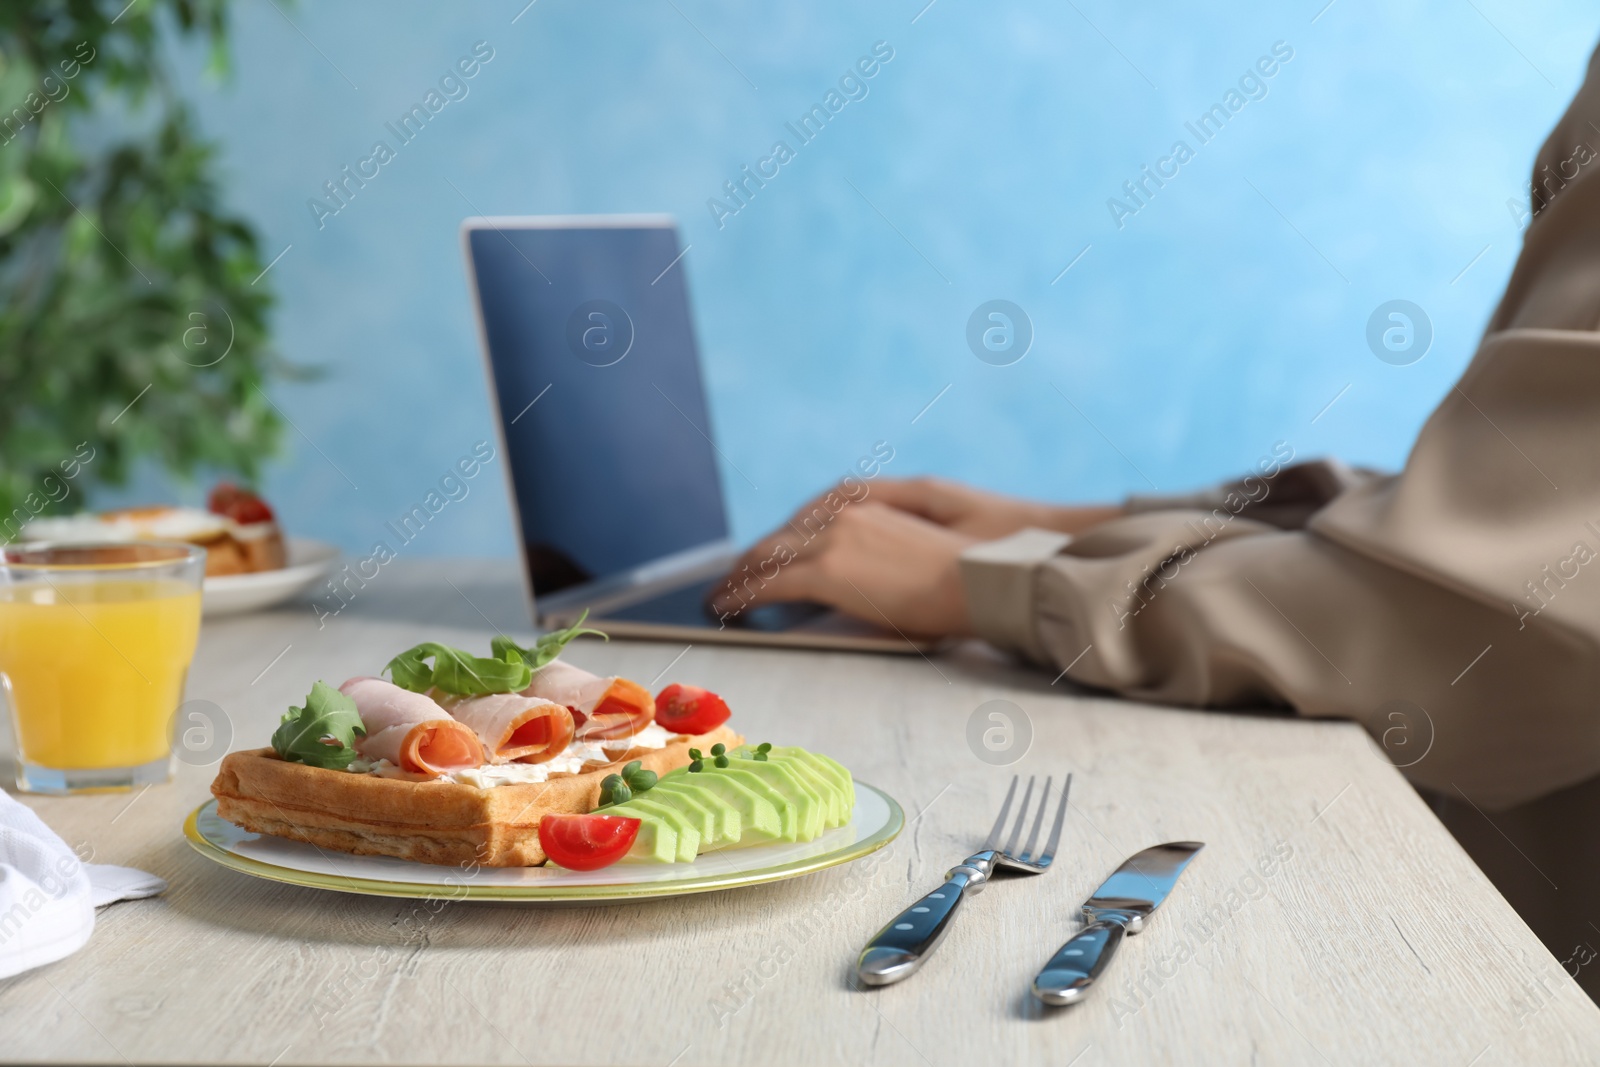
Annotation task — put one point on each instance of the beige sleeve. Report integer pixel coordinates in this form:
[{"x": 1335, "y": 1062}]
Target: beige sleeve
[
  {"x": 1286, "y": 498},
  {"x": 1463, "y": 593}
]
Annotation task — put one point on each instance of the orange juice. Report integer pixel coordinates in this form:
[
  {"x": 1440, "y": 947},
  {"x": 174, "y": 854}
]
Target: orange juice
[{"x": 96, "y": 667}]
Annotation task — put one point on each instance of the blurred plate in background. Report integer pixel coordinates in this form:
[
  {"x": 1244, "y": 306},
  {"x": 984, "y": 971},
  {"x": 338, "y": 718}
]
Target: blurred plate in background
[{"x": 234, "y": 594}]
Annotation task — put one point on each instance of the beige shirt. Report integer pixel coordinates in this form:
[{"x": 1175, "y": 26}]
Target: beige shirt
[{"x": 1454, "y": 608}]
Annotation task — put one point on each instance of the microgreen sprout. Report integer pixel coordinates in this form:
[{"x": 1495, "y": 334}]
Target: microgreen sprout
[
  {"x": 637, "y": 778},
  {"x": 614, "y": 790},
  {"x": 620, "y": 788}
]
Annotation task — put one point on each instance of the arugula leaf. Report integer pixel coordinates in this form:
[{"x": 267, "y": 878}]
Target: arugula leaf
[
  {"x": 456, "y": 672},
  {"x": 304, "y": 734},
  {"x": 546, "y": 648}
]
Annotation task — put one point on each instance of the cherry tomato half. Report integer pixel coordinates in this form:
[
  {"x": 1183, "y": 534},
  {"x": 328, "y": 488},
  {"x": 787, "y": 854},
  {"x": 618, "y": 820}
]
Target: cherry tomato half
[
  {"x": 240, "y": 505},
  {"x": 688, "y": 709},
  {"x": 586, "y": 842}
]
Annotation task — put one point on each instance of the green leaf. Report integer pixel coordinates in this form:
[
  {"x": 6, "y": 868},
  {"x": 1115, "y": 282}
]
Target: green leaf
[
  {"x": 323, "y": 732},
  {"x": 546, "y": 648},
  {"x": 456, "y": 672},
  {"x": 118, "y": 249}
]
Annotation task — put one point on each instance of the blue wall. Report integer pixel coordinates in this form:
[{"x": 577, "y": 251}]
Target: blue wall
[{"x": 1220, "y": 318}]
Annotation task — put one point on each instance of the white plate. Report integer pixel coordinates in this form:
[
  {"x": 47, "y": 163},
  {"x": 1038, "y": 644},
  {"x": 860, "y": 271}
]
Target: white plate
[
  {"x": 876, "y": 821},
  {"x": 233, "y": 594}
]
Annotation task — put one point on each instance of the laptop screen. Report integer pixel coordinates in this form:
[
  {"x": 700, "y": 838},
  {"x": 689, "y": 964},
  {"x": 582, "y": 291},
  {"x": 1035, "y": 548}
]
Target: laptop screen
[{"x": 594, "y": 365}]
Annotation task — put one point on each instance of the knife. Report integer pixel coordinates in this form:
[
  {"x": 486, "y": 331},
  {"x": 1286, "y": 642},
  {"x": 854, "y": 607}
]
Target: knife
[{"x": 1120, "y": 906}]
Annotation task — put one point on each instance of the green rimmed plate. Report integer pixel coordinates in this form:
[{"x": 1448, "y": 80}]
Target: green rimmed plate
[{"x": 877, "y": 820}]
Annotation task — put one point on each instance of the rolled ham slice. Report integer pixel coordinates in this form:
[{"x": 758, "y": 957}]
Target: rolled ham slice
[
  {"x": 514, "y": 727},
  {"x": 602, "y": 708},
  {"x": 411, "y": 730}
]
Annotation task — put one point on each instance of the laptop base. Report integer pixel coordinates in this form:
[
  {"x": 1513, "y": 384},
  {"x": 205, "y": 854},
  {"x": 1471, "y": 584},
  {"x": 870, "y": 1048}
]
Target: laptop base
[{"x": 680, "y": 613}]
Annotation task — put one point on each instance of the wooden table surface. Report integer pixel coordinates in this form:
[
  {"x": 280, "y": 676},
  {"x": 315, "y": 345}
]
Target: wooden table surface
[{"x": 1330, "y": 919}]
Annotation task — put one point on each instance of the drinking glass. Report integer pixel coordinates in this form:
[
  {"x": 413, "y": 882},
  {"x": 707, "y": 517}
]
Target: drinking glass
[{"x": 95, "y": 644}]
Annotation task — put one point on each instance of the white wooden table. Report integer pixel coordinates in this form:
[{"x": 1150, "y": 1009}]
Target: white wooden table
[{"x": 1371, "y": 938}]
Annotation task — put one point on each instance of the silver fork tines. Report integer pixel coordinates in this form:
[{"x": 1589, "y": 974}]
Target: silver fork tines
[
  {"x": 1028, "y": 859},
  {"x": 1022, "y": 815},
  {"x": 1038, "y": 823},
  {"x": 1000, "y": 823}
]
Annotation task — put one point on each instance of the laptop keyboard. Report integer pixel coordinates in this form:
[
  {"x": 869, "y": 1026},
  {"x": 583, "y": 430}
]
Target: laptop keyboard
[{"x": 686, "y": 606}]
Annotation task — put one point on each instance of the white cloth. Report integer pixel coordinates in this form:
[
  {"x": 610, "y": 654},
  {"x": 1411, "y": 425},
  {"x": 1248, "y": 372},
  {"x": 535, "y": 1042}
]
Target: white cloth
[{"x": 48, "y": 895}]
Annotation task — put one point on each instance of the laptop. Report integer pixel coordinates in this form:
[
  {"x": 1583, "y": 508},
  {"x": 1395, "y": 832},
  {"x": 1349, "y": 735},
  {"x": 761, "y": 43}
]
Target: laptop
[{"x": 609, "y": 450}]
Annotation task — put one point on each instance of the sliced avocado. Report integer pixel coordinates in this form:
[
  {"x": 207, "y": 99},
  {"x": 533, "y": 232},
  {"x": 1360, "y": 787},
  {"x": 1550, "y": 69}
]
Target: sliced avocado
[
  {"x": 831, "y": 795},
  {"x": 688, "y": 832},
  {"x": 720, "y": 821},
  {"x": 844, "y": 773},
  {"x": 843, "y": 801},
  {"x": 834, "y": 774},
  {"x": 824, "y": 764},
  {"x": 788, "y": 813},
  {"x": 657, "y": 841},
  {"x": 759, "y": 820},
  {"x": 811, "y": 807}
]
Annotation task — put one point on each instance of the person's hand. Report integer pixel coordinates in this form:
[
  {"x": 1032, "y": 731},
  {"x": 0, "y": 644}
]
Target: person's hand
[
  {"x": 868, "y": 560},
  {"x": 979, "y": 513}
]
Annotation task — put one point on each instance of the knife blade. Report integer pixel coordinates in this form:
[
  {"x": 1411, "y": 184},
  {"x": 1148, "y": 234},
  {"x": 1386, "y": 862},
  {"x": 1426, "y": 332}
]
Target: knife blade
[{"x": 1120, "y": 906}]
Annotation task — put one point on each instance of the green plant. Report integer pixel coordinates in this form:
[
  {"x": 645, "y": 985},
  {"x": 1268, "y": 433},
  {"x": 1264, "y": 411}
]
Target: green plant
[{"x": 122, "y": 279}]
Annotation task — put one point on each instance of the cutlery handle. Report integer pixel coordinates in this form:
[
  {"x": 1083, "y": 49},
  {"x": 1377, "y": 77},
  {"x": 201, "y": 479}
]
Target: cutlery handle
[
  {"x": 1075, "y": 966},
  {"x": 896, "y": 951}
]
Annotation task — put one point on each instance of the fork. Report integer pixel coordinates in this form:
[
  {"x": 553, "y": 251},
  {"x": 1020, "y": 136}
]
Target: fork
[{"x": 896, "y": 951}]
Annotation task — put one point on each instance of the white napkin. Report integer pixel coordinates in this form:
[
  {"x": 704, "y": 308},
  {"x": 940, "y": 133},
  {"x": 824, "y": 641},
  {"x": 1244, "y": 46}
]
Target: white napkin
[
  {"x": 47, "y": 895},
  {"x": 109, "y": 884}
]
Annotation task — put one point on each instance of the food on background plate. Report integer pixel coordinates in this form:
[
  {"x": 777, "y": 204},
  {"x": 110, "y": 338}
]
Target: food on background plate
[
  {"x": 236, "y": 528},
  {"x": 504, "y": 760}
]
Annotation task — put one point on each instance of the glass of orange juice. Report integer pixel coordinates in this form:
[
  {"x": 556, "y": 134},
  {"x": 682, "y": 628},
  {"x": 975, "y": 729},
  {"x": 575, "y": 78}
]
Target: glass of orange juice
[{"x": 95, "y": 643}]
